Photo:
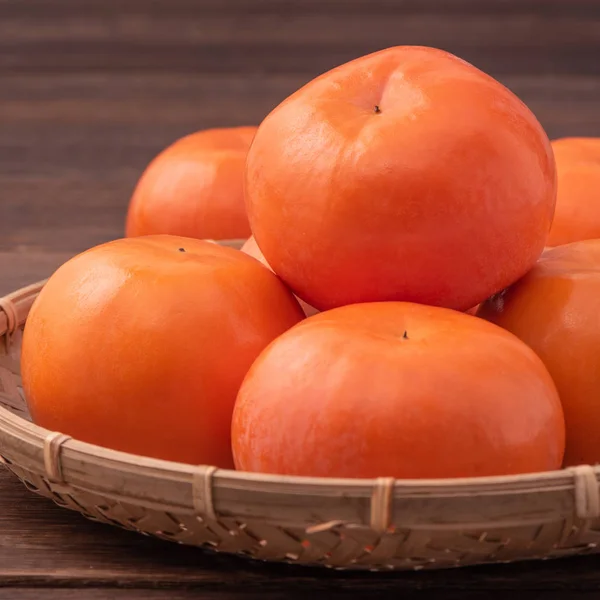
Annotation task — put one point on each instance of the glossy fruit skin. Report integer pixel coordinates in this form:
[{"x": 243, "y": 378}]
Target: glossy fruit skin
[
  {"x": 250, "y": 247},
  {"x": 400, "y": 390},
  {"x": 408, "y": 175},
  {"x": 195, "y": 188},
  {"x": 577, "y": 215},
  {"x": 141, "y": 347},
  {"x": 555, "y": 309}
]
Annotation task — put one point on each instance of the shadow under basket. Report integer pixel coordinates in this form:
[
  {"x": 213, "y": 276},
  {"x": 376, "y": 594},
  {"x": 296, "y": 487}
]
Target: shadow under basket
[{"x": 379, "y": 524}]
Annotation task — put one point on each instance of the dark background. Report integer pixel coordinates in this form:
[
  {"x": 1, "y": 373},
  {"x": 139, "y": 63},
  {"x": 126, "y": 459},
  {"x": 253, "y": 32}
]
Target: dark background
[{"x": 91, "y": 90}]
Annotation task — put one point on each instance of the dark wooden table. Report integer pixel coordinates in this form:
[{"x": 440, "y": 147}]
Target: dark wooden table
[{"x": 90, "y": 90}]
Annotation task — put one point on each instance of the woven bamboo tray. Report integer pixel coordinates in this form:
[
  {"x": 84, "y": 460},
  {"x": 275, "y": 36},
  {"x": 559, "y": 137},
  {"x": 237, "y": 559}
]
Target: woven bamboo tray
[{"x": 355, "y": 524}]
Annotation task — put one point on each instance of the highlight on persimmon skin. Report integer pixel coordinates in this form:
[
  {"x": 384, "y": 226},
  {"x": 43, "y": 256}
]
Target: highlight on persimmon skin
[
  {"x": 141, "y": 344},
  {"x": 401, "y": 390},
  {"x": 194, "y": 188},
  {"x": 406, "y": 174},
  {"x": 577, "y": 215},
  {"x": 554, "y": 310}
]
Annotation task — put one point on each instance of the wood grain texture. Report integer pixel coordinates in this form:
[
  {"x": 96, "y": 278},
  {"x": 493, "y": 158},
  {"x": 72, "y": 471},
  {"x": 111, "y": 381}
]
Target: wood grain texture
[
  {"x": 70, "y": 157},
  {"x": 200, "y": 594},
  {"x": 267, "y": 36},
  {"x": 11, "y": 593},
  {"x": 91, "y": 91}
]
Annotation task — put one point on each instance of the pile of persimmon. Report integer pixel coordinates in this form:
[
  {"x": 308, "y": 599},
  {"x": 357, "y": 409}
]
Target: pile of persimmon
[{"x": 394, "y": 308}]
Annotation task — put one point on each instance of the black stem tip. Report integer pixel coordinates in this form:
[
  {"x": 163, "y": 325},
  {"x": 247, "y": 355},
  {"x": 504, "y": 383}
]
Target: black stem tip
[
  {"x": 405, "y": 335},
  {"x": 377, "y": 109},
  {"x": 181, "y": 249}
]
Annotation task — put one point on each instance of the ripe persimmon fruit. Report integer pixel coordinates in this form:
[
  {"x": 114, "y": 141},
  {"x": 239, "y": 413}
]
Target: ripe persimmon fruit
[
  {"x": 555, "y": 309},
  {"x": 194, "y": 188},
  {"x": 141, "y": 344},
  {"x": 407, "y": 174},
  {"x": 577, "y": 214},
  {"x": 397, "y": 389},
  {"x": 251, "y": 248}
]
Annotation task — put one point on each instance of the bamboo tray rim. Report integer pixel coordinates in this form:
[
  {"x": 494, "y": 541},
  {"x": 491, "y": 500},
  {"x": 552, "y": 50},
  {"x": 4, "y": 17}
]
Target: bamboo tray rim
[{"x": 79, "y": 450}]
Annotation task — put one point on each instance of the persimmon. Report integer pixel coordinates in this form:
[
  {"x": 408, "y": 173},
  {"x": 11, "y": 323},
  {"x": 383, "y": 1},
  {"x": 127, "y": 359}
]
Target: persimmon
[
  {"x": 194, "y": 188},
  {"x": 407, "y": 174},
  {"x": 397, "y": 389},
  {"x": 251, "y": 248},
  {"x": 141, "y": 344},
  {"x": 577, "y": 214},
  {"x": 555, "y": 310}
]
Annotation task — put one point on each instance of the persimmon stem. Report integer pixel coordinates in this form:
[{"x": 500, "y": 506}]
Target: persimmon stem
[
  {"x": 377, "y": 109},
  {"x": 405, "y": 335},
  {"x": 181, "y": 249}
]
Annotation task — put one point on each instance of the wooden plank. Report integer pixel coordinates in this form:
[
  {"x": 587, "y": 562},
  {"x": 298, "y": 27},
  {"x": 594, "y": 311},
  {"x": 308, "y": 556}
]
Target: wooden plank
[
  {"x": 306, "y": 37},
  {"x": 196, "y": 594},
  {"x": 34, "y": 593},
  {"x": 18, "y": 269},
  {"x": 73, "y": 146},
  {"x": 11, "y": 593},
  {"x": 160, "y": 102}
]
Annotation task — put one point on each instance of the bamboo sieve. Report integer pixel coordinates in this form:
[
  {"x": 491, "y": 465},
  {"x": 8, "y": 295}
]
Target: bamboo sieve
[{"x": 380, "y": 524}]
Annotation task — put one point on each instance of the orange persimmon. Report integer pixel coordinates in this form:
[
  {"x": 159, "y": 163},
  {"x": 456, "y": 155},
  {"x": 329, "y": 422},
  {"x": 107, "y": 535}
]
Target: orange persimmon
[
  {"x": 577, "y": 214},
  {"x": 141, "y": 344},
  {"x": 401, "y": 390},
  {"x": 194, "y": 188},
  {"x": 407, "y": 174},
  {"x": 554, "y": 309}
]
